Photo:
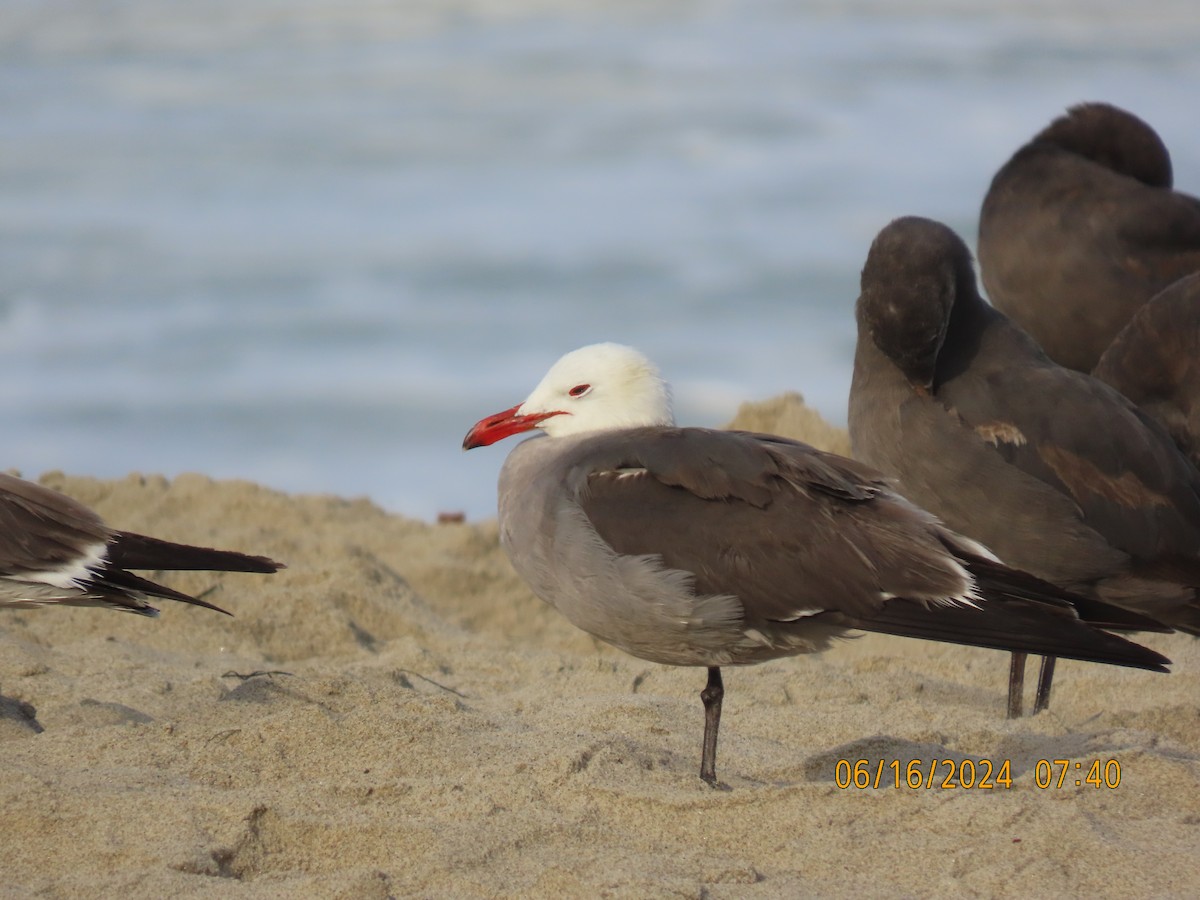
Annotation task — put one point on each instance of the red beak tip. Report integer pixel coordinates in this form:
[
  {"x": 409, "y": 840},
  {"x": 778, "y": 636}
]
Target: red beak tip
[{"x": 505, "y": 424}]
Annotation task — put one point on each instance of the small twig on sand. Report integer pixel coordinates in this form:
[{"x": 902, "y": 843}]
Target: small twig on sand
[
  {"x": 434, "y": 683},
  {"x": 249, "y": 675}
]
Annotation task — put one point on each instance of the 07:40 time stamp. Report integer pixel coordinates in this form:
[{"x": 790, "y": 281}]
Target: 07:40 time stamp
[{"x": 970, "y": 774}]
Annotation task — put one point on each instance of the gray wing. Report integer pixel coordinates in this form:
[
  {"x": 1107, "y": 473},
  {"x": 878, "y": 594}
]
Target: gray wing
[
  {"x": 787, "y": 529},
  {"x": 1083, "y": 439},
  {"x": 798, "y": 536},
  {"x": 955, "y": 472}
]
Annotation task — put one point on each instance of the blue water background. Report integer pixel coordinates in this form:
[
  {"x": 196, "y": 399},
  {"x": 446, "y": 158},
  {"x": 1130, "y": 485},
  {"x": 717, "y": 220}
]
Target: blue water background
[{"x": 311, "y": 242}]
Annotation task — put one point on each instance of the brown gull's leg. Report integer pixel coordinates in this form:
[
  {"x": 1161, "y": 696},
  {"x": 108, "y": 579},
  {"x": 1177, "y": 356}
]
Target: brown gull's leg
[
  {"x": 711, "y": 695},
  {"x": 1045, "y": 677},
  {"x": 1016, "y": 684}
]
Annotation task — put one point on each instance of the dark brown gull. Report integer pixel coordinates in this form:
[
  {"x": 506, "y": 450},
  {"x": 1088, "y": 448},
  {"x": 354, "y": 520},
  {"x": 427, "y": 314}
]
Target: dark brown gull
[
  {"x": 1081, "y": 227},
  {"x": 54, "y": 551},
  {"x": 1056, "y": 472}
]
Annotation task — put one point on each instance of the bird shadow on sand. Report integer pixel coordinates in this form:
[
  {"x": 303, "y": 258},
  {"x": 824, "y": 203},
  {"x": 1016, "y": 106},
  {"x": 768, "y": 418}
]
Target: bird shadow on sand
[{"x": 18, "y": 718}]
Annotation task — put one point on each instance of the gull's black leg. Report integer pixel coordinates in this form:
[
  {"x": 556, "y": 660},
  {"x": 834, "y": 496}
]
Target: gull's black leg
[
  {"x": 1016, "y": 685},
  {"x": 1045, "y": 677},
  {"x": 711, "y": 695}
]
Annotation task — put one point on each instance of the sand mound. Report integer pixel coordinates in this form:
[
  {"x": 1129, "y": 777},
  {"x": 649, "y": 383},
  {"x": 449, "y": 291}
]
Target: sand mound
[{"x": 395, "y": 715}]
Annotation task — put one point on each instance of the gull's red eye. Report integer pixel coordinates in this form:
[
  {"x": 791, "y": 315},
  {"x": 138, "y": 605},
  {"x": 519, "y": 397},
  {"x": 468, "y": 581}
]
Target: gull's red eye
[{"x": 579, "y": 390}]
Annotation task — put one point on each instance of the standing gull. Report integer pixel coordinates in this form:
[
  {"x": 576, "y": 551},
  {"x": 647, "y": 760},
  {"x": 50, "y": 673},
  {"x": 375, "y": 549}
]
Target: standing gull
[
  {"x": 1081, "y": 227},
  {"x": 56, "y": 551},
  {"x": 694, "y": 547},
  {"x": 1054, "y": 471}
]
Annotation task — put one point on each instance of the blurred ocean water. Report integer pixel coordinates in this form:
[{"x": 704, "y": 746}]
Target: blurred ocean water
[{"x": 310, "y": 242}]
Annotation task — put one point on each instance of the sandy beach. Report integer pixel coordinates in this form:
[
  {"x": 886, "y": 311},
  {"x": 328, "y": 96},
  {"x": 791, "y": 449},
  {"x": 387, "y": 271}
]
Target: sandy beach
[{"x": 395, "y": 715}]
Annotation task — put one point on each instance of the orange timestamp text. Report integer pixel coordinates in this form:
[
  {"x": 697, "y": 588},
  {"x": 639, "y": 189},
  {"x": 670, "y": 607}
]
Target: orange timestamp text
[{"x": 972, "y": 774}]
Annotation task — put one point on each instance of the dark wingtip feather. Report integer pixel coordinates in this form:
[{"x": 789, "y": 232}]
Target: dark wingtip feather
[
  {"x": 1012, "y": 625},
  {"x": 121, "y": 582},
  {"x": 996, "y": 578},
  {"x": 127, "y": 550}
]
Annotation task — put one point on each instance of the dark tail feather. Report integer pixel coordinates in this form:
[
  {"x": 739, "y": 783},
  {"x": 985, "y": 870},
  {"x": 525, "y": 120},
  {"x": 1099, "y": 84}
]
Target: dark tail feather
[
  {"x": 995, "y": 578},
  {"x": 1023, "y": 614},
  {"x": 136, "y": 551},
  {"x": 1011, "y": 625},
  {"x": 122, "y": 583}
]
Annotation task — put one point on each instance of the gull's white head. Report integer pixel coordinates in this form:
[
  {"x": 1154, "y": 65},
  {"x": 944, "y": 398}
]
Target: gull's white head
[{"x": 594, "y": 388}]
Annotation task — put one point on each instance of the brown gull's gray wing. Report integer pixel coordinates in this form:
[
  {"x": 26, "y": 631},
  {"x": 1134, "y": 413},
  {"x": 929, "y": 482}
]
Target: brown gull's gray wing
[
  {"x": 1084, "y": 439},
  {"x": 1077, "y": 435},
  {"x": 958, "y": 470},
  {"x": 955, "y": 472},
  {"x": 791, "y": 531},
  {"x": 1155, "y": 362},
  {"x": 771, "y": 521}
]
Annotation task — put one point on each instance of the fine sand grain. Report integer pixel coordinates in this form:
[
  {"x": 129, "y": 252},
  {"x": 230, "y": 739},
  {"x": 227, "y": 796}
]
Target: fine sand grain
[{"x": 395, "y": 715}]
